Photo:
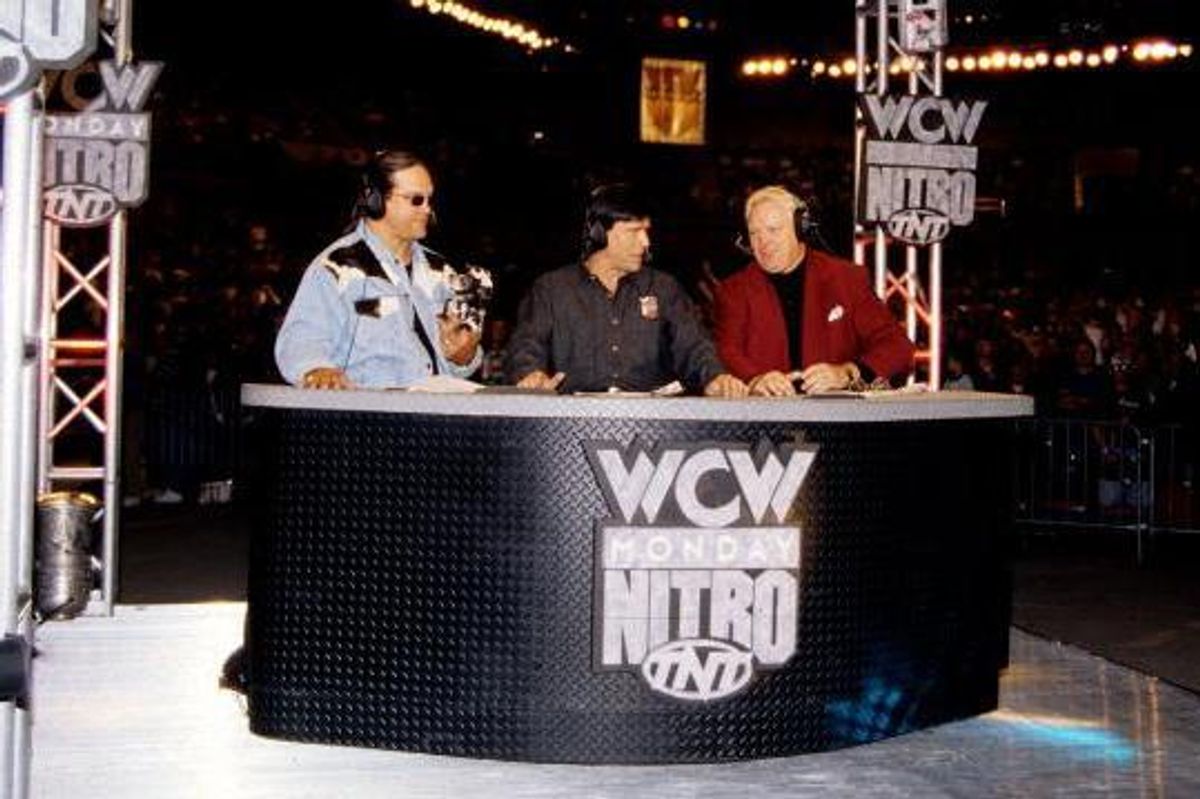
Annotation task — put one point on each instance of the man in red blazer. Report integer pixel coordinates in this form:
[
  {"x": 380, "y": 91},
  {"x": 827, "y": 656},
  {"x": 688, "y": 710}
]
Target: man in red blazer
[{"x": 796, "y": 313}]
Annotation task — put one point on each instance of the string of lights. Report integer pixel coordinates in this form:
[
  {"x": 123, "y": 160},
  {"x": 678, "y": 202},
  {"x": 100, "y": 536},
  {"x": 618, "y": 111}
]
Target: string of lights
[
  {"x": 519, "y": 33},
  {"x": 1150, "y": 52}
]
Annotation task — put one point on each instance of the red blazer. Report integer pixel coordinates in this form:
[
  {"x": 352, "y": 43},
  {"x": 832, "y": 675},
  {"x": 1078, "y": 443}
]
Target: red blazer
[{"x": 843, "y": 321}]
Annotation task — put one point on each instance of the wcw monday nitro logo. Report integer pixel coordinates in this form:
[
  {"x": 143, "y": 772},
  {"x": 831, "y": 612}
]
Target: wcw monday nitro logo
[{"x": 697, "y": 571}]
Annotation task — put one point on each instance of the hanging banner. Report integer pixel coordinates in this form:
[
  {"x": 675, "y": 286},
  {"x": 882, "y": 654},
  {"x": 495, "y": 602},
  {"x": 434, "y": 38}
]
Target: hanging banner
[
  {"x": 923, "y": 26},
  {"x": 98, "y": 161},
  {"x": 42, "y": 34},
  {"x": 673, "y": 101},
  {"x": 918, "y": 165}
]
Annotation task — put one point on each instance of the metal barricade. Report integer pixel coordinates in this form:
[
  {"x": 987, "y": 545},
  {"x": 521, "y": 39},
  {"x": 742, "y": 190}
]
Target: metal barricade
[
  {"x": 1177, "y": 503},
  {"x": 193, "y": 436},
  {"x": 1107, "y": 475}
]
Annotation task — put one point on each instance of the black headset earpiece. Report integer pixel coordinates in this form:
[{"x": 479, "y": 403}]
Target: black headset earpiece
[
  {"x": 595, "y": 237},
  {"x": 803, "y": 218},
  {"x": 372, "y": 200},
  {"x": 808, "y": 227},
  {"x": 374, "y": 189}
]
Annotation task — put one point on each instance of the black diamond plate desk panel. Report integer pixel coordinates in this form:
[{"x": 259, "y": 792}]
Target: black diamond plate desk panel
[{"x": 427, "y": 581}]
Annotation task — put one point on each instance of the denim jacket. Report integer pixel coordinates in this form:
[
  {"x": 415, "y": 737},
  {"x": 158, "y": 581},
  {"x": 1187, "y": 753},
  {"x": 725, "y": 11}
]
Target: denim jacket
[{"x": 354, "y": 310}]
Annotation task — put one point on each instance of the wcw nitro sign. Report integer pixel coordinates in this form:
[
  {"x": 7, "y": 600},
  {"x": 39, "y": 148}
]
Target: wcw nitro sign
[
  {"x": 697, "y": 571},
  {"x": 98, "y": 161},
  {"x": 918, "y": 165}
]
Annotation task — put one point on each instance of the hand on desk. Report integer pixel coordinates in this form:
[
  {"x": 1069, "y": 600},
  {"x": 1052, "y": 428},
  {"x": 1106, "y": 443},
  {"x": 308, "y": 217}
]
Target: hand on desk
[
  {"x": 772, "y": 384},
  {"x": 822, "y": 377},
  {"x": 816, "y": 379},
  {"x": 725, "y": 385},
  {"x": 539, "y": 379},
  {"x": 326, "y": 377}
]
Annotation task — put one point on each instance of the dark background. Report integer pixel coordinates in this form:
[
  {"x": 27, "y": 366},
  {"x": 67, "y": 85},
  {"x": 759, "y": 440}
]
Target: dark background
[{"x": 245, "y": 79}]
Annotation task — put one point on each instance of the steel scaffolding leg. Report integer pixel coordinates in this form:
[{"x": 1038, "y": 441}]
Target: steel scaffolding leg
[
  {"x": 18, "y": 294},
  {"x": 905, "y": 275}
]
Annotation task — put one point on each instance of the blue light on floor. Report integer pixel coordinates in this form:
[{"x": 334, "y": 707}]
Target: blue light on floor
[{"x": 1080, "y": 741}]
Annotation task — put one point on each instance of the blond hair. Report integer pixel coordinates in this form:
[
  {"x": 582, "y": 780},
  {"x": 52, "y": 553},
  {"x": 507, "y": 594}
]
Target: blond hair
[{"x": 777, "y": 194}]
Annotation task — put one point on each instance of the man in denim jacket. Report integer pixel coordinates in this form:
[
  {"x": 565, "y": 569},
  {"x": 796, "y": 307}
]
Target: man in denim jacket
[{"x": 369, "y": 309}]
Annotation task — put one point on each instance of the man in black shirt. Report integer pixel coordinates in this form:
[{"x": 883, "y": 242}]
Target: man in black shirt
[{"x": 611, "y": 323}]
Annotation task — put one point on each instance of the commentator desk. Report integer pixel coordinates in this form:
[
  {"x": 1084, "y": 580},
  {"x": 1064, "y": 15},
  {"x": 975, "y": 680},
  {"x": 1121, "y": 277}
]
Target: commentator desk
[{"x": 626, "y": 580}]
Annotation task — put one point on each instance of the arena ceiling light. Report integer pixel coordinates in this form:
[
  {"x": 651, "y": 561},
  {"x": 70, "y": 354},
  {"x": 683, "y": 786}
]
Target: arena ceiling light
[{"x": 519, "y": 33}]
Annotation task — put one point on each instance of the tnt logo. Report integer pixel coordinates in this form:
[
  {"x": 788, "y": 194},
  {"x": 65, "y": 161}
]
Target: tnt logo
[
  {"x": 79, "y": 202},
  {"x": 702, "y": 669},
  {"x": 697, "y": 571},
  {"x": 918, "y": 226}
]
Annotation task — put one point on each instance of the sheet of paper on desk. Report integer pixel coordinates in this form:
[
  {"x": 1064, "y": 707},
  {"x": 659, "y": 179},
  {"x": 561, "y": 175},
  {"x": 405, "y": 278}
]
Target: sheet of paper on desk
[
  {"x": 871, "y": 393},
  {"x": 616, "y": 394},
  {"x": 836, "y": 394},
  {"x": 444, "y": 384},
  {"x": 672, "y": 389},
  {"x": 545, "y": 392}
]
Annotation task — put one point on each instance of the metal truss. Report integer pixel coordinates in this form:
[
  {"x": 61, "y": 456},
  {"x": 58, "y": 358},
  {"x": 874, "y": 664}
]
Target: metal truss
[
  {"x": 82, "y": 332},
  {"x": 905, "y": 275}
]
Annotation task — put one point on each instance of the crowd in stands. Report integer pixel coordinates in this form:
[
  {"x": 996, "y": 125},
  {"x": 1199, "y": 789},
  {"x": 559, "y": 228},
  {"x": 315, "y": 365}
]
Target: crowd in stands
[{"x": 1080, "y": 353}]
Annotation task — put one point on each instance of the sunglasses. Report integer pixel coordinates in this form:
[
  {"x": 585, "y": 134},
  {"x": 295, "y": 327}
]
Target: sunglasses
[{"x": 416, "y": 200}]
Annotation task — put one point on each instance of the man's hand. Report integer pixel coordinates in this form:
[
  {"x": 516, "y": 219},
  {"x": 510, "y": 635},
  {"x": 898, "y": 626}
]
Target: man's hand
[
  {"x": 772, "y": 384},
  {"x": 326, "y": 377},
  {"x": 539, "y": 379},
  {"x": 459, "y": 341},
  {"x": 821, "y": 377},
  {"x": 725, "y": 385}
]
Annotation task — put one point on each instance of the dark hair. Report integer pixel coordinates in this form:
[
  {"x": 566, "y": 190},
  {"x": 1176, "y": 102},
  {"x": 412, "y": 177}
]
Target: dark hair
[
  {"x": 607, "y": 205},
  {"x": 376, "y": 182}
]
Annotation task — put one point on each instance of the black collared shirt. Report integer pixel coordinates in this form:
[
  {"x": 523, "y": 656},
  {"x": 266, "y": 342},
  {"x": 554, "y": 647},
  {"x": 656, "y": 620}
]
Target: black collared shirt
[{"x": 642, "y": 338}]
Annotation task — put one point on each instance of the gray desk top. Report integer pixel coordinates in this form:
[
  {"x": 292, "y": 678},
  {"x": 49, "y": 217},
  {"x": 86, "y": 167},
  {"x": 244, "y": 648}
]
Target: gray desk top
[{"x": 875, "y": 407}]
